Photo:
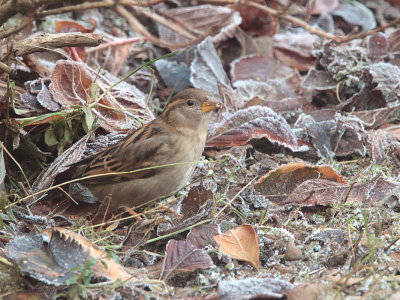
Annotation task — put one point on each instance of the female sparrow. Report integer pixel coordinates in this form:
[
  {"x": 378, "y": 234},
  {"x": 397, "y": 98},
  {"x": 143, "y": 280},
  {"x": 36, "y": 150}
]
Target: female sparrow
[{"x": 176, "y": 138}]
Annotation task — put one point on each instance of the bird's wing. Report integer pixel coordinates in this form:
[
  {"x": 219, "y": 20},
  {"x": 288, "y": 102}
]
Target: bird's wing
[{"x": 146, "y": 148}]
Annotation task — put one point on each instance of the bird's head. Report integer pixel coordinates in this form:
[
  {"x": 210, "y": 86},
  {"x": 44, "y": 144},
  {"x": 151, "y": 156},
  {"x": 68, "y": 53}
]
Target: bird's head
[{"x": 191, "y": 109}]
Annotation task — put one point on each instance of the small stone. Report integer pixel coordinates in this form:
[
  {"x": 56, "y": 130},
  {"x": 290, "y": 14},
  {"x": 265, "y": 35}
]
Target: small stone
[{"x": 292, "y": 251}]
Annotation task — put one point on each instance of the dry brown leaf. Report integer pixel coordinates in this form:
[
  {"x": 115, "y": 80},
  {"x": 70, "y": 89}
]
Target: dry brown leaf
[
  {"x": 241, "y": 244},
  {"x": 56, "y": 256},
  {"x": 104, "y": 266}
]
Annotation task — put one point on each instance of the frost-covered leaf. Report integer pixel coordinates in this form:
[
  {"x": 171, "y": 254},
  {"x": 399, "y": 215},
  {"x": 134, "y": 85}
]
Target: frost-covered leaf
[
  {"x": 318, "y": 80},
  {"x": 323, "y": 192},
  {"x": 201, "y": 236},
  {"x": 386, "y": 75},
  {"x": 384, "y": 148},
  {"x": 182, "y": 256},
  {"x": 255, "y": 122},
  {"x": 356, "y": 14},
  {"x": 280, "y": 182},
  {"x": 197, "y": 22},
  {"x": 61, "y": 164},
  {"x": 294, "y": 49},
  {"x": 206, "y": 70},
  {"x": 197, "y": 66},
  {"x": 253, "y": 288},
  {"x": 320, "y": 7},
  {"x": 59, "y": 261},
  {"x": 72, "y": 84},
  {"x": 377, "y": 45},
  {"x": 334, "y": 135},
  {"x": 259, "y": 68}
]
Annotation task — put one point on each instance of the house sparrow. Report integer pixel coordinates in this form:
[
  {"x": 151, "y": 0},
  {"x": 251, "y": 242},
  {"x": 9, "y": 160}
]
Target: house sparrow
[{"x": 177, "y": 136}]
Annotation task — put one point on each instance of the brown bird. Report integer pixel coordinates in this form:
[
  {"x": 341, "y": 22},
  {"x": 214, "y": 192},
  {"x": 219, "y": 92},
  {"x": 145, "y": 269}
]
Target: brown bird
[{"x": 175, "y": 138}]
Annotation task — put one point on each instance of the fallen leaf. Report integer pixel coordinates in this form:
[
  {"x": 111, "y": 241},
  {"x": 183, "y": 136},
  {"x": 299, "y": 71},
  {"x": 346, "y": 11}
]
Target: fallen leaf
[
  {"x": 279, "y": 183},
  {"x": 323, "y": 192},
  {"x": 60, "y": 164},
  {"x": 197, "y": 22},
  {"x": 201, "y": 236},
  {"x": 59, "y": 261},
  {"x": 320, "y": 7},
  {"x": 197, "y": 196},
  {"x": 254, "y": 122},
  {"x": 75, "y": 83},
  {"x": 182, "y": 256},
  {"x": 253, "y": 288},
  {"x": 258, "y": 68},
  {"x": 256, "y": 21},
  {"x": 104, "y": 266},
  {"x": 241, "y": 244}
]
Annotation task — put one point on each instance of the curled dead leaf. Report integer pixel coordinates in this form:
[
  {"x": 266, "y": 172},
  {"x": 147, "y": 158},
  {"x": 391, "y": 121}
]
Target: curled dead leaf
[{"x": 241, "y": 244}]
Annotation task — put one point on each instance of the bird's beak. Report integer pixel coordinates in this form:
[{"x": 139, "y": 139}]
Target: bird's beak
[{"x": 210, "y": 105}]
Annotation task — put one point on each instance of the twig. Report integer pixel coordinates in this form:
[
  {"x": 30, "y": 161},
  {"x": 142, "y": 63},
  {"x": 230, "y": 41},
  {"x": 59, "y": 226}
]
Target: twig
[
  {"x": 118, "y": 42},
  {"x": 100, "y": 4},
  {"x": 167, "y": 23},
  {"x": 137, "y": 26},
  {"x": 5, "y": 68},
  {"x": 46, "y": 41}
]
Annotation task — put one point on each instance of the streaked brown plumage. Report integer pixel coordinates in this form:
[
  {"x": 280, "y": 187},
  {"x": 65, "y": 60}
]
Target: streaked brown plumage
[{"x": 177, "y": 136}]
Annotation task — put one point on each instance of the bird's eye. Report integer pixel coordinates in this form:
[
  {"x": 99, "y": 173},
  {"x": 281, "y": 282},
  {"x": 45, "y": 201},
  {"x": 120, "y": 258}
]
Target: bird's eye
[{"x": 190, "y": 102}]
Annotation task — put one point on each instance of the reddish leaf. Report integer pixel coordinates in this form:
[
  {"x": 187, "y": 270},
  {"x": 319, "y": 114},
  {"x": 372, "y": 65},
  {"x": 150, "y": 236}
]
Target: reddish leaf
[
  {"x": 285, "y": 105},
  {"x": 323, "y": 192},
  {"x": 394, "y": 41},
  {"x": 255, "y": 122},
  {"x": 182, "y": 256},
  {"x": 65, "y": 26},
  {"x": 241, "y": 244},
  {"x": 377, "y": 45},
  {"x": 196, "y": 197},
  {"x": 321, "y": 7},
  {"x": 295, "y": 49},
  {"x": 279, "y": 183},
  {"x": 201, "y": 236},
  {"x": 71, "y": 26},
  {"x": 258, "y": 68},
  {"x": 318, "y": 192},
  {"x": 257, "y": 21},
  {"x": 73, "y": 83}
]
